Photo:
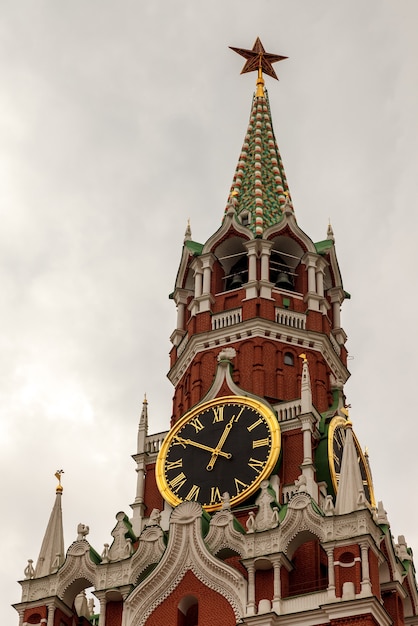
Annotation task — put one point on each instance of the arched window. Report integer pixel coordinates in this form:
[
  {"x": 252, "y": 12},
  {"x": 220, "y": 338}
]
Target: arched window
[
  {"x": 245, "y": 217},
  {"x": 288, "y": 358},
  {"x": 310, "y": 569},
  {"x": 238, "y": 274},
  {"x": 188, "y": 611}
]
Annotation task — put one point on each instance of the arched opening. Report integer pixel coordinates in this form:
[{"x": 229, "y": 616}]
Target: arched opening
[
  {"x": 285, "y": 258},
  {"x": 310, "y": 569},
  {"x": 188, "y": 611},
  {"x": 288, "y": 358},
  {"x": 233, "y": 259}
]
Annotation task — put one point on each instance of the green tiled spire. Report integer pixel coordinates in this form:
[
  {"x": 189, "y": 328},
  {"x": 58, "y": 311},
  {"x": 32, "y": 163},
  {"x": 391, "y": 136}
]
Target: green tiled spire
[{"x": 260, "y": 187}]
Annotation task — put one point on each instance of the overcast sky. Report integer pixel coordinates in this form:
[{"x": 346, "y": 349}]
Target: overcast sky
[{"x": 119, "y": 121}]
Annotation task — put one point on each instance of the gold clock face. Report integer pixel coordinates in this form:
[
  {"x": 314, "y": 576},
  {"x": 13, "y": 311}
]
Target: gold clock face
[
  {"x": 228, "y": 444},
  {"x": 336, "y": 443}
]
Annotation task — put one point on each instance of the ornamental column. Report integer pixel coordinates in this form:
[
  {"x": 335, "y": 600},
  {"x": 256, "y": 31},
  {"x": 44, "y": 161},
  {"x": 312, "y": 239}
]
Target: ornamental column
[
  {"x": 205, "y": 298},
  {"x": 251, "y": 589},
  {"x": 251, "y": 288},
  {"x": 51, "y": 612},
  {"x": 265, "y": 283},
  {"x": 320, "y": 271},
  {"x": 277, "y": 587},
  {"x": 366, "y": 588},
  {"x": 311, "y": 298},
  {"x": 101, "y": 596},
  {"x": 198, "y": 285},
  {"x": 331, "y": 572}
]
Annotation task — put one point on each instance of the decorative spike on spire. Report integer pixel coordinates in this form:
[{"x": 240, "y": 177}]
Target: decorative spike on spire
[
  {"x": 59, "y": 488},
  {"x": 144, "y": 413},
  {"x": 188, "y": 233},
  {"x": 330, "y": 232},
  {"x": 51, "y": 555},
  {"x": 306, "y": 391}
]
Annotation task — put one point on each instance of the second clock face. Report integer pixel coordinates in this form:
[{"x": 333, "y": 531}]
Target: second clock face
[
  {"x": 336, "y": 443},
  {"x": 229, "y": 444}
]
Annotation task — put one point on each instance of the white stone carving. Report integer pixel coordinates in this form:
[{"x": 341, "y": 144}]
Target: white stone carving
[
  {"x": 82, "y": 532},
  {"x": 186, "y": 550},
  {"x": 227, "y": 354},
  {"x": 154, "y": 518},
  {"x": 119, "y": 550},
  {"x": 266, "y": 518},
  {"x": 224, "y": 534},
  {"x": 29, "y": 571}
]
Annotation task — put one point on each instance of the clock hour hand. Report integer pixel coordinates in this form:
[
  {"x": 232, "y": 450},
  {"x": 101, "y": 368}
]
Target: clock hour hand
[
  {"x": 218, "y": 450},
  {"x": 190, "y": 442}
]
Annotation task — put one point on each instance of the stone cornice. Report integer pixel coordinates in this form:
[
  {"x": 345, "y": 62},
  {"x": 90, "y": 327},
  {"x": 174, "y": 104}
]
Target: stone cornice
[{"x": 258, "y": 328}]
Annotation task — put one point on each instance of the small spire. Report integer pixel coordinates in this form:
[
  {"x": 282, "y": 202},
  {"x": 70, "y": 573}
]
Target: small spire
[
  {"x": 188, "y": 233},
  {"x": 51, "y": 555},
  {"x": 144, "y": 412},
  {"x": 330, "y": 232},
  {"x": 306, "y": 390}
]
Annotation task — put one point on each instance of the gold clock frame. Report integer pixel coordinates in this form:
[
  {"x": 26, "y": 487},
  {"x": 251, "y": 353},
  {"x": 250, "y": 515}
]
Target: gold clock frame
[{"x": 274, "y": 428}]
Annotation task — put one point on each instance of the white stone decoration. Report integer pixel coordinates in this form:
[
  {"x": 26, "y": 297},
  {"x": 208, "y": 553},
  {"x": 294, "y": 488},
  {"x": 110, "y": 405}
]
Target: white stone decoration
[{"x": 186, "y": 550}]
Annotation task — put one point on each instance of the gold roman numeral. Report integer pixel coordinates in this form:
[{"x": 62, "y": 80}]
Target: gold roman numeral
[
  {"x": 178, "y": 481},
  {"x": 239, "y": 485},
  {"x": 218, "y": 414},
  {"x": 173, "y": 464},
  {"x": 239, "y": 414},
  {"x": 215, "y": 495},
  {"x": 193, "y": 493},
  {"x": 259, "y": 443},
  {"x": 257, "y": 423},
  {"x": 197, "y": 424},
  {"x": 256, "y": 464}
]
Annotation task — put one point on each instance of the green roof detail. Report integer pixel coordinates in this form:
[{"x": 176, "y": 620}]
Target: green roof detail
[
  {"x": 95, "y": 556},
  {"x": 259, "y": 186},
  {"x": 323, "y": 246},
  {"x": 194, "y": 247}
]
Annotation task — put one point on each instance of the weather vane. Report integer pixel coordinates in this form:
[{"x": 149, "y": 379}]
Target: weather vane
[
  {"x": 258, "y": 60},
  {"x": 58, "y": 473}
]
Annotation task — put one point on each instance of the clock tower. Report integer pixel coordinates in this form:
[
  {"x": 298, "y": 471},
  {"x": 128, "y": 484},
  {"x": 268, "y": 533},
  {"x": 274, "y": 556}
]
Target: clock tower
[{"x": 256, "y": 506}]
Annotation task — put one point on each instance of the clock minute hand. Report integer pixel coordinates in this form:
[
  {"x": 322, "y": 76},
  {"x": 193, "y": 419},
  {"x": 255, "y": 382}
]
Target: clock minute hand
[
  {"x": 218, "y": 450},
  {"x": 190, "y": 442}
]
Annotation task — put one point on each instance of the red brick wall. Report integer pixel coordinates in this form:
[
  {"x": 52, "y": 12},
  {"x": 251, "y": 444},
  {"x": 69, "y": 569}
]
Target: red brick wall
[
  {"x": 258, "y": 368},
  {"x": 374, "y": 573},
  {"x": 358, "y": 620},
  {"x": 114, "y": 613},
  {"x": 152, "y": 497},
  {"x": 394, "y": 606},
  {"x": 264, "y": 585},
  {"x": 292, "y": 456},
  {"x": 33, "y": 613},
  {"x": 347, "y": 574},
  {"x": 167, "y": 612},
  {"x": 310, "y": 572},
  {"x": 60, "y": 618}
]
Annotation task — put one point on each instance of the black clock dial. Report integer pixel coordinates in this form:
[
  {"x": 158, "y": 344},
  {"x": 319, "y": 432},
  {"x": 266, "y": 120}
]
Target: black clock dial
[{"x": 227, "y": 445}]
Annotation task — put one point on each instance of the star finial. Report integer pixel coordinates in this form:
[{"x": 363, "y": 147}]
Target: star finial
[{"x": 258, "y": 59}]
